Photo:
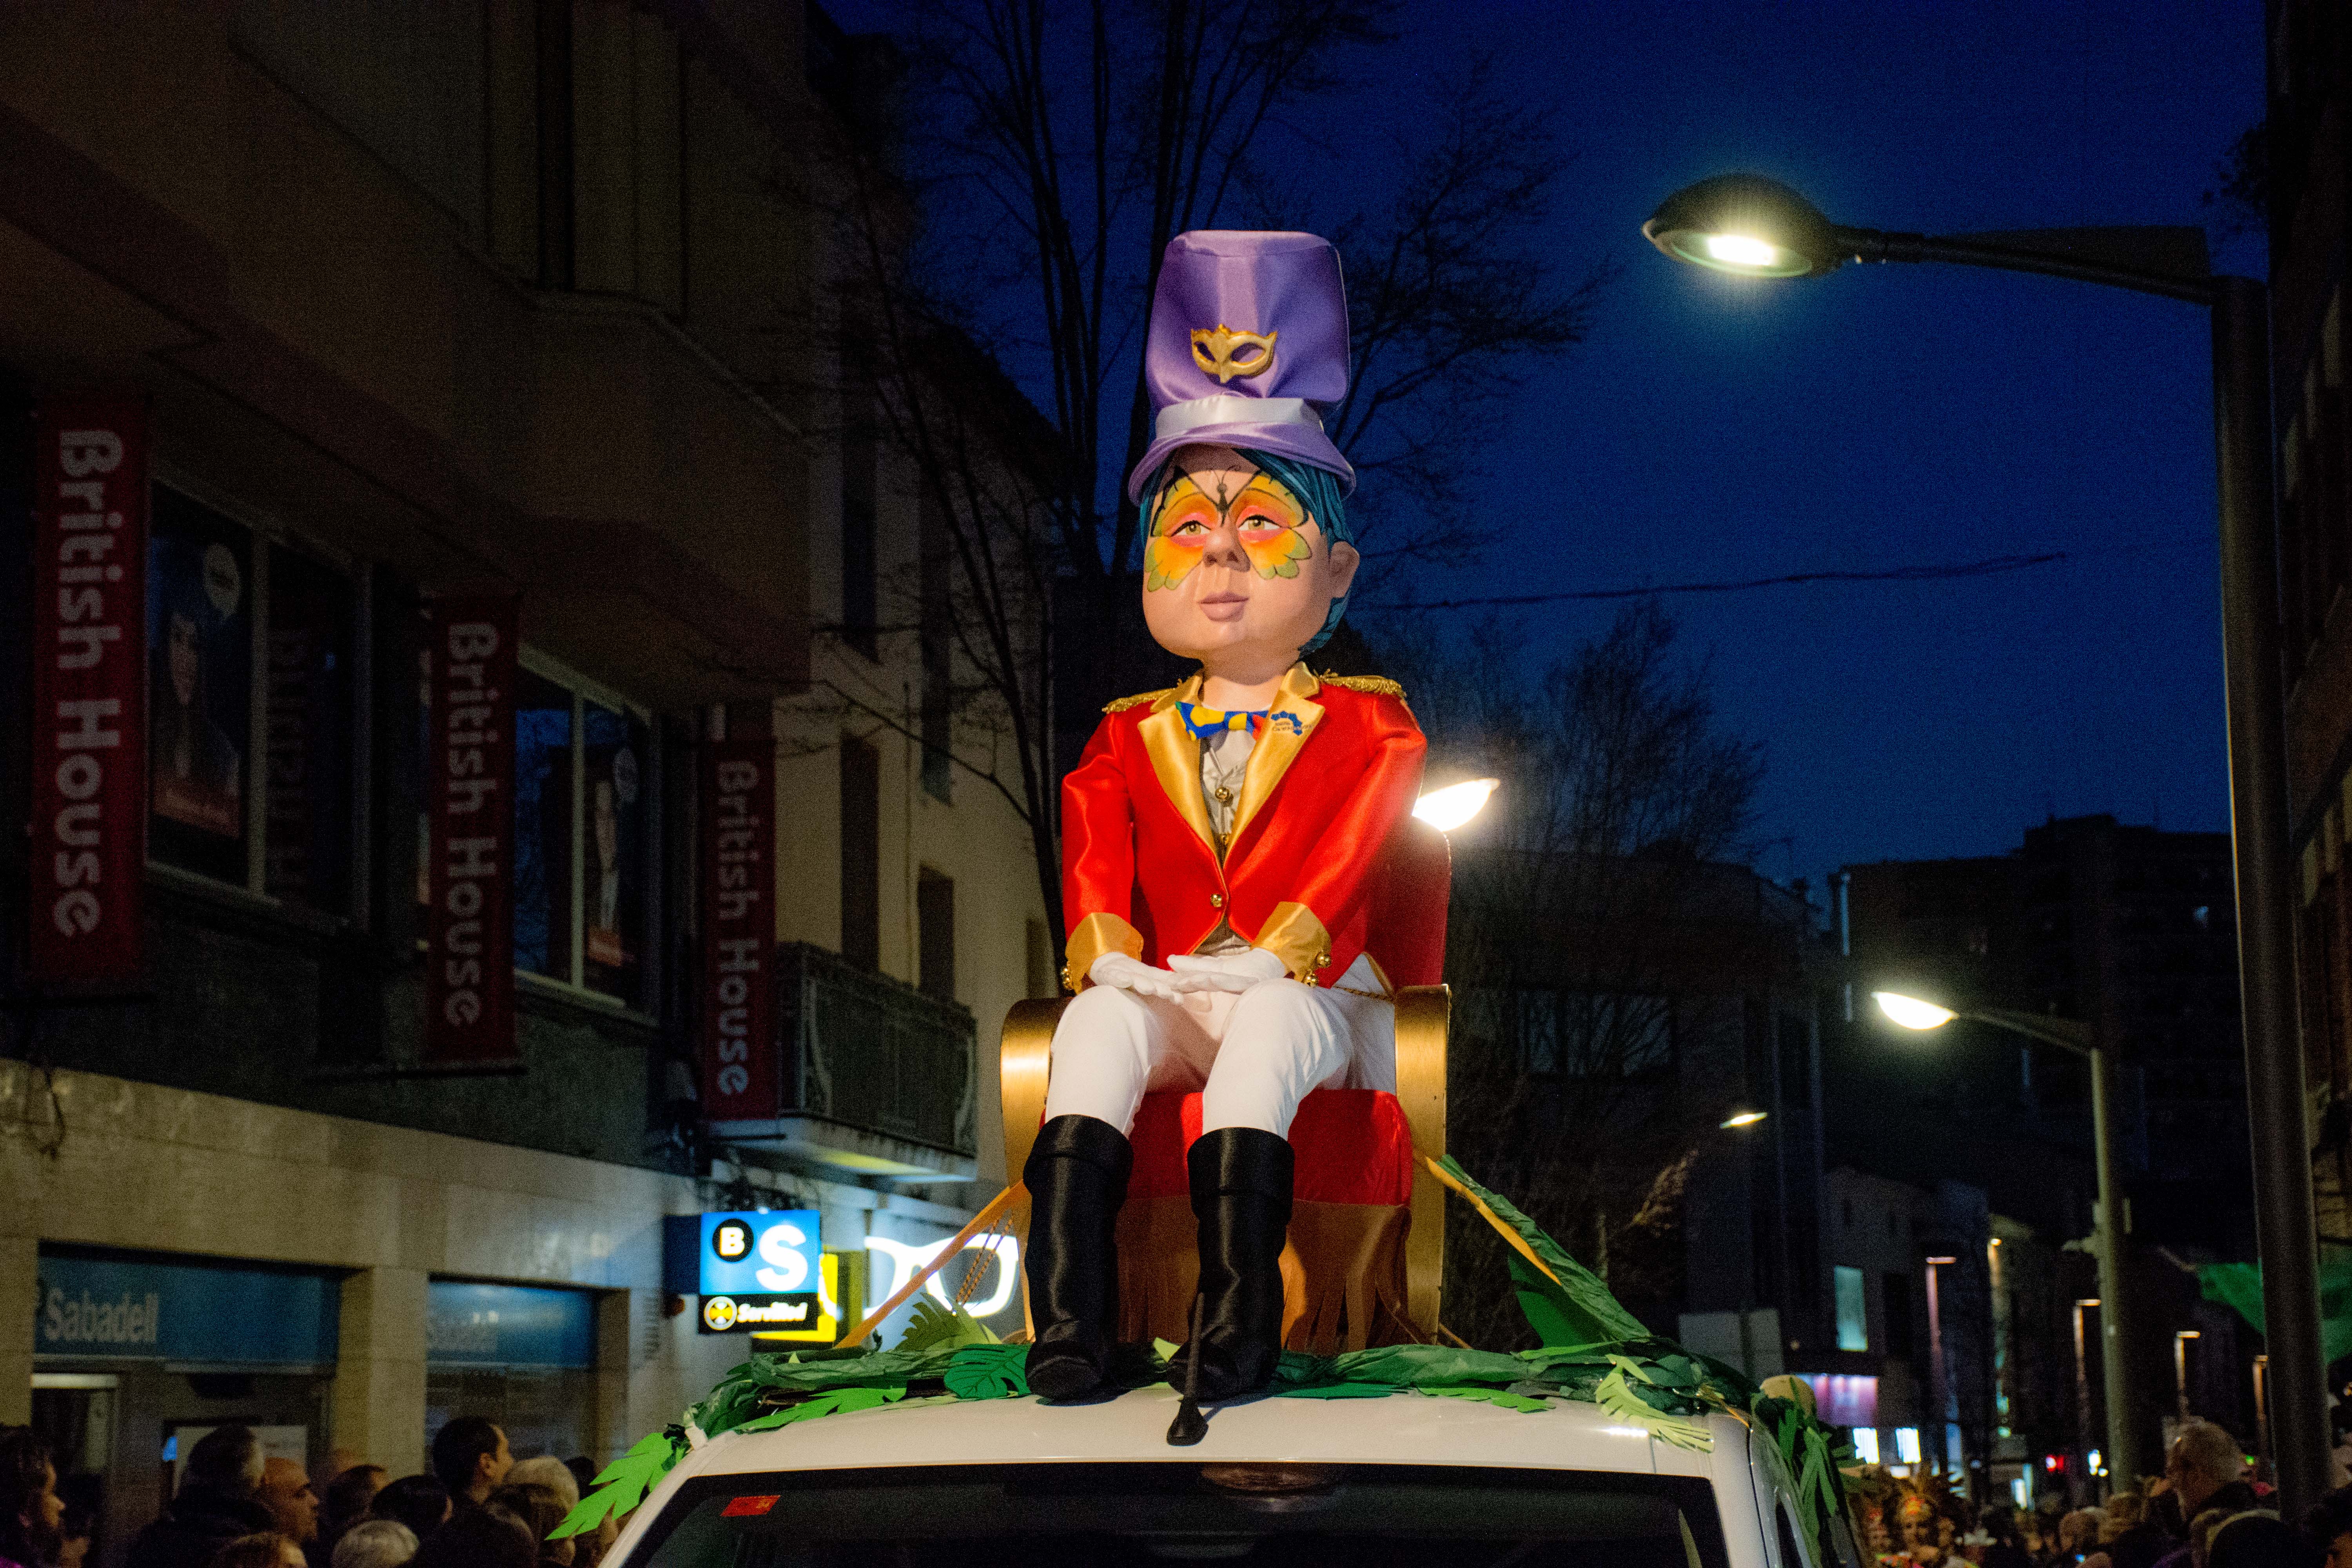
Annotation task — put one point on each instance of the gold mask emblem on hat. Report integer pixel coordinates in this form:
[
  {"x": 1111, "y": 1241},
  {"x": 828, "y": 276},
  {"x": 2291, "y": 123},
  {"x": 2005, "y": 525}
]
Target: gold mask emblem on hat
[{"x": 1226, "y": 353}]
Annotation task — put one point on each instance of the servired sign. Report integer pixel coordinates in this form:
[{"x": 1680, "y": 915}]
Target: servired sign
[
  {"x": 90, "y": 687},
  {"x": 739, "y": 930},
  {"x": 469, "y": 844}
]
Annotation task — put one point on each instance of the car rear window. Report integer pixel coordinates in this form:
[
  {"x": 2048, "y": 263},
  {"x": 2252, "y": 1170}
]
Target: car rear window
[{"x": 1080, "y": 1515}]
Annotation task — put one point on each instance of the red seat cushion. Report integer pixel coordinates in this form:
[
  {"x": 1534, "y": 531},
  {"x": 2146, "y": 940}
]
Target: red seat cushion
[{"x": 1353, "y": 1147}]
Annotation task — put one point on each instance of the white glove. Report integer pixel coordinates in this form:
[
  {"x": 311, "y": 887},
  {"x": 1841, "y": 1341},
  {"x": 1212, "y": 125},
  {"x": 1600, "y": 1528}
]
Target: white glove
[
  {"x": 1234, "y": 971},
  {"x": 1122, "y": 973}
]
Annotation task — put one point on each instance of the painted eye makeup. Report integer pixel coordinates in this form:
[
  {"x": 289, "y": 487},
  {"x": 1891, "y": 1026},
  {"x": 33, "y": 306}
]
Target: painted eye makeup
[{"x": 1266, "y": 518}]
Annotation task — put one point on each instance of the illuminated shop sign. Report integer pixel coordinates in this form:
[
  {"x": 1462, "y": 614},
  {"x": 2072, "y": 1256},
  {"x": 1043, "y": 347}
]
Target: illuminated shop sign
[
  {"x": 157, "y": 1309},
  {"x": 759, "y": 1273}
]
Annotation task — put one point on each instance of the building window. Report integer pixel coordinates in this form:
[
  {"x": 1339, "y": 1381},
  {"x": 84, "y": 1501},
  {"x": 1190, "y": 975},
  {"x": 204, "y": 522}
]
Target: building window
[
  {"x": 584, "y": 765},
  {"x": 860, "y": 615},
  {"x": 1894, "y": 1304},
  {"x": 935, "y": 934},
  {"x": 1852, "y": 1310},
  {"x": 861, "y": 853},
  {"x": 938, "y": 650},
  {"x": 250, "y": 716}
]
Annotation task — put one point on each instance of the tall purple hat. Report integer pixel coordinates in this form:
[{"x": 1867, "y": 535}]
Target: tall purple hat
[{"x": 1249, "y": 348}]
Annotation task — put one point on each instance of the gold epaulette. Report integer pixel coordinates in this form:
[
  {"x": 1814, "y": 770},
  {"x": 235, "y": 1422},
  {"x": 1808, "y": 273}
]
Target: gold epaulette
[
  {"x": 1372, "y": 685},
  {"x": 1121, "y": 704}
]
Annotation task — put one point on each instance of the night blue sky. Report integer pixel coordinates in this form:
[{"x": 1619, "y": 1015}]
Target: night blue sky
[{"x": 1884, "y": 417}]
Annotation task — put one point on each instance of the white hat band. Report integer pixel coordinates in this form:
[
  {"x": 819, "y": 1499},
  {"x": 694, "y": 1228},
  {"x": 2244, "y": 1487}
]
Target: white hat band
[{"x": 1198, "y": 413}]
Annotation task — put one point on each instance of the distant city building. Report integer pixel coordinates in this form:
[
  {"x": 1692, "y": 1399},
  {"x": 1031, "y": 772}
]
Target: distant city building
[
  {"x": 2127, "y": 929},
  {"x": 2295, "y": 166}
]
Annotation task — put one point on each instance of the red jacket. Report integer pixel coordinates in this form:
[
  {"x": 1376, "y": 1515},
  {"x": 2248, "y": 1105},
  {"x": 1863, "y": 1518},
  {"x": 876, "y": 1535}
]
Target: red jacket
[{"x": 1332, "y": 776}]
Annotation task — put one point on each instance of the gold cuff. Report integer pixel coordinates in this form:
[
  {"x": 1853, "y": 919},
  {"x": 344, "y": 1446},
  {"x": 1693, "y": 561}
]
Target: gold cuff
[
  {"x": 1293, "y": 934},
  {"x": 1089, "y": 940}
]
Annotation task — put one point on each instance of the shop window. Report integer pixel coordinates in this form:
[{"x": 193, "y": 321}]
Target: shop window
[
  {"x": 583, "y": 837},
  {"x": 251, "y": 722}
]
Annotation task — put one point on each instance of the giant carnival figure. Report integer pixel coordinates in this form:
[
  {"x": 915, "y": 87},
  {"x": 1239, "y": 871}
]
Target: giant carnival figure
[{"x": 1220, "y": 839}]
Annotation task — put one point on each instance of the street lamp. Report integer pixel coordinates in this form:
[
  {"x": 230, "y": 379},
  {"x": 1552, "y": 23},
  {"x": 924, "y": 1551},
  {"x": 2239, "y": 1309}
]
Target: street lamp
[
  {"x": 2068, "y": 1034},
  {"x": 1753, "y": 227},
  {"x": 1448, "y": 808}
]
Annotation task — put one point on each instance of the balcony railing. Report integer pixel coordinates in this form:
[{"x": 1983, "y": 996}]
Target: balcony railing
[{"x": 875, "y": 1076}]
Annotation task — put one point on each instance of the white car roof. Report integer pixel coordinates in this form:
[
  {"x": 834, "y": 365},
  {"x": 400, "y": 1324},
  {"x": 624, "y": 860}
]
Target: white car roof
[{"x": 1400, "y": 1428}]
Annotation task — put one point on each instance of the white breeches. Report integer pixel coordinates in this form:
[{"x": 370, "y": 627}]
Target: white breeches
[{"x": 1253, "y": 1055}]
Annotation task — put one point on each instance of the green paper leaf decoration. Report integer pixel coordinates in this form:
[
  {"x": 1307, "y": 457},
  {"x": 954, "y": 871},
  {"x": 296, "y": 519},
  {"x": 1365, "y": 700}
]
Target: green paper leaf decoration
[
  {"x": 838, "y": 1402},
  {"x": 622, "y": 1484},
  {"x": 1581, "y": 1311},
  {"x": 1502, "y": 1396},
  {"x": 988, "y": 1372},
  {"x": 934, "y": 1327},
  {"x": 1615, "y": 1395},
  {"x": 1340, "y": 1391}
]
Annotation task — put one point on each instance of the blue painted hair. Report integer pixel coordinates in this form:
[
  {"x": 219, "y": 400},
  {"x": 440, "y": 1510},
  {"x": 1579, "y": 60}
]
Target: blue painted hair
[{"x": 1318, "y": 490}]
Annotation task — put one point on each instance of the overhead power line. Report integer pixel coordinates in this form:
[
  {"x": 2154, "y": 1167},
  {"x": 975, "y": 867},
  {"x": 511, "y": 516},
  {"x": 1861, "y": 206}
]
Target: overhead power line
[{"x": 1991, "y": 566}]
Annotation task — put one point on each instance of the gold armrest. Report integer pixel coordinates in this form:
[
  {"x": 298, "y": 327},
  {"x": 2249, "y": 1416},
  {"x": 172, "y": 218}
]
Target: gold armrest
[
  {"x": 1422, "y": 1014},
  {"x": 1021, "y": 1068}
]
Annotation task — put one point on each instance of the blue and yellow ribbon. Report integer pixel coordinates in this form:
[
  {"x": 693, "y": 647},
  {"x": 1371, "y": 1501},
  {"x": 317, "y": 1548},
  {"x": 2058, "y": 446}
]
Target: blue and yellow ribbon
[{"x": 1206, "y": 723}]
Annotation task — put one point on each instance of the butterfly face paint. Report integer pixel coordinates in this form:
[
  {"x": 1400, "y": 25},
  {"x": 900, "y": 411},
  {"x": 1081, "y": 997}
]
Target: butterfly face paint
[{"x": 1266, "y": 517}]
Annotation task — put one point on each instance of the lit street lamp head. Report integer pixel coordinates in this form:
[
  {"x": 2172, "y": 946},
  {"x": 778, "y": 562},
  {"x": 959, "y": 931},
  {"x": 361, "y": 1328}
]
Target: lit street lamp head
[
  {"x": 1747, "y": 225},
  {"x": 1910, "y": 1011}
]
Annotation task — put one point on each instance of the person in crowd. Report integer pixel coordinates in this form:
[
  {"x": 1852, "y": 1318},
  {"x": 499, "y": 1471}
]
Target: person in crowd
[
  {"x": 471, "y": 1457},
  {"x": 546, "y": 1470},
  {"x": 2327, "y": 1528},
  {"x": 540, "y": 1509},
  {"x": 348, "y": 1497},
  {"x": 262, "y": 1549},
  {"x": 2206, "y": 1468},
  {"x": 583, "y": 1473},
  {"x": 30, "y": 1509},
  {"x": 2257, "y": 1538},
  {"x": 2078, "y": 1537},
  {"x": 420, "y": 1502},
  {"x": 76, "y": 1528},
  {"x": 375, "y": 1543},
  {"x": 2133, "y": 1534},
  {"x": 218, "y": 1503},
  {"x": 478, "y": 1537},
  {"x": 293, "y": 1503},
  {"x": 2005, "y": 1541}
]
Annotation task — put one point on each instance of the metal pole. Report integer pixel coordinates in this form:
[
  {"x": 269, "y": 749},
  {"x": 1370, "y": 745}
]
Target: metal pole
[
  {"x": 2123, "y": 1455},
  {"x": 1939, "y": 1452},
  {"x": 2258, "y": 827},
  {"x": 2088, "y": 1491}
]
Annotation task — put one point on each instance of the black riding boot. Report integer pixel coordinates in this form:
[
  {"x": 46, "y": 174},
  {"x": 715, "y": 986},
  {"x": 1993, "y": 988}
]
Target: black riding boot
[
  {"x": 1241, "y": 1196},
  {"x": 1076, "y": 1177}
]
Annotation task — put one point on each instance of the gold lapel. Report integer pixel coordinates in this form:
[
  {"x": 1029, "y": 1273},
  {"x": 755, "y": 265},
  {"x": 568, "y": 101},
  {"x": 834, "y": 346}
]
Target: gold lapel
[
  {"x": 1275, "y": 750},
  {"x": 1176, "y": 757}
]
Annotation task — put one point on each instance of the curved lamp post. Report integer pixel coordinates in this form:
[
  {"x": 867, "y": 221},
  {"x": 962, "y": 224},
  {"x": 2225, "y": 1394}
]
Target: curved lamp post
[
  {"x": 1754, "y": 226},
  {"x": 2067, "y": 1035}
]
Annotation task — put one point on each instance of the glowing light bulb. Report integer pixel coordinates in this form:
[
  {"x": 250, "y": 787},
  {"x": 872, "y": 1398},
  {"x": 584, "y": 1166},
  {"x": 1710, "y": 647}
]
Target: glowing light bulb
[
  {"x": 1912, "y": 1013},
  {"x": 1742, "y": 250},
  {"x": 1745, "y": 1118},
  {"x": 1448, "y": 808}
]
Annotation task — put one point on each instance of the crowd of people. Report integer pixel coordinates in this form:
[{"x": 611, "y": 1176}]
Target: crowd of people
[
  {"x": 240, "y": 1507},
  {"x": 2204, "y": 1511}
]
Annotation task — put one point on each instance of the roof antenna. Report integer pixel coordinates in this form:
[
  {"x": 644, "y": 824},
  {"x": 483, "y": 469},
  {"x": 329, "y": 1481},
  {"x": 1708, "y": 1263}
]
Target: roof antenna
[{"x": 1190, "y": 1425}]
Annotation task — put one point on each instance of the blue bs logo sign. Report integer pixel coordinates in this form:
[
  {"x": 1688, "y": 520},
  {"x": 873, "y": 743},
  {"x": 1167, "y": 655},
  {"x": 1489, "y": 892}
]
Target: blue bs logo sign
[{"x": 759, "y": 1271}]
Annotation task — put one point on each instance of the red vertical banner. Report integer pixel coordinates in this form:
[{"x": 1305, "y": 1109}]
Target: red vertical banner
[
  {"x": 739, "y": 930},
  {"x": 89, "y": 690},
  {"x": 469, "y": 832}
]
